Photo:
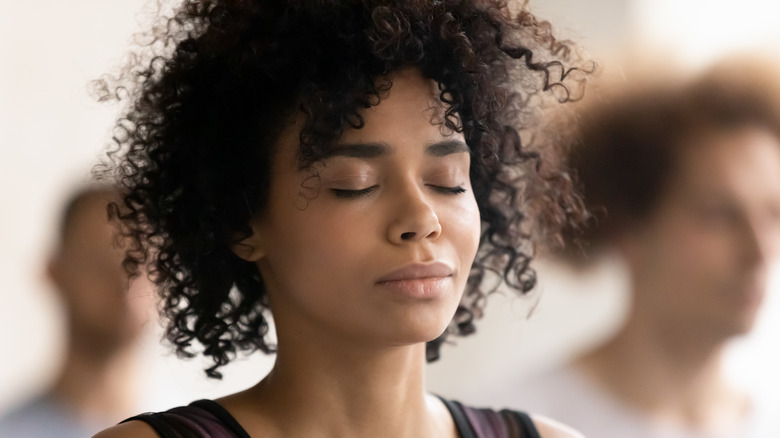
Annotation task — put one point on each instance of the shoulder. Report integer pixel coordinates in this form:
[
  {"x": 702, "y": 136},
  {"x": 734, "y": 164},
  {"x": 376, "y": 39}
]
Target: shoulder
[
  {"x": 549, "y": 428},
  {"x": 131, "y": 429}
]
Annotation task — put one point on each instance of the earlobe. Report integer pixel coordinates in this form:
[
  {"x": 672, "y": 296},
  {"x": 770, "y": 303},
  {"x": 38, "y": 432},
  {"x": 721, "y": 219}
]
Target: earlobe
[
  {"x": 628, "y": 246},
  {"x": 54, "y": 272},
  {"x": 250, "y": 248}
]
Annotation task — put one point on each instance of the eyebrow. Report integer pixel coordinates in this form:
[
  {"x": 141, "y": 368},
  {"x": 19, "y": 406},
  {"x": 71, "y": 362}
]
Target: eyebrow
[
  {"x": 361, "y": 150},
  {"x": 376, "y": 150},
  {"x": 444, "y": 148}
]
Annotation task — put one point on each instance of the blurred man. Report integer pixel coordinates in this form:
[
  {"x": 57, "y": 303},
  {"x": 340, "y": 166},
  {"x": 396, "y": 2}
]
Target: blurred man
[
  {"x": 97, "y": 385},
  {"x": 684, "y": 183}
]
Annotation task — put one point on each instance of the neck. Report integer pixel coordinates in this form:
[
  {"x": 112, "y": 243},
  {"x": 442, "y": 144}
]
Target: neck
[
  {"x": 98, "y": 386},
  {"x": 346, "y": 392},
  {"x": 669, "y": 372}
]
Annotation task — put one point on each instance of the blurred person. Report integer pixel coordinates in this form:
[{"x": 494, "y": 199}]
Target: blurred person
[
  {"x": 351, "y": 172},
  {"x": 97, "y": 384},
  {"x": 683, "y": 182}
]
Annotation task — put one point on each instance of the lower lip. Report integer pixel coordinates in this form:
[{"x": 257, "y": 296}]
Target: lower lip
[{"x": 419, "y": 288}]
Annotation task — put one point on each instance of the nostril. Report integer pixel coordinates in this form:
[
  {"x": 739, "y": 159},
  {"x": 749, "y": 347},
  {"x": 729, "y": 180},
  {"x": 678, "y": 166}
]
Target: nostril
[{"x": 407, "y": 236}]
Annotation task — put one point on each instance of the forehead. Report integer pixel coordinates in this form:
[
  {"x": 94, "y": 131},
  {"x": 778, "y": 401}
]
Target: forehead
[
  {"x": 743, "y": 162},
  {"x": 412, "y": 102},
  {"x": 411, "y": 111}
]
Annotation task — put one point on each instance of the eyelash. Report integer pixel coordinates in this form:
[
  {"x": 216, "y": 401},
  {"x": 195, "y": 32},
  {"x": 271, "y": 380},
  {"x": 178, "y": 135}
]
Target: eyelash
[
  {"x": 351, "y": 194},
  {"x": 449, "y": 190}
]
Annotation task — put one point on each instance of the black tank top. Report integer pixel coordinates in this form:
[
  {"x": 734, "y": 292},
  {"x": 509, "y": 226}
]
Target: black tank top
[{"x": 207, "y": 418}]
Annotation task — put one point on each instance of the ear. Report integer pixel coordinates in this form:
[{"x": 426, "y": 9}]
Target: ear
[
  {"x": 629, "y": 245},
  {"x": 54, "y": 271},
  {"x": 251, "y": 248}
]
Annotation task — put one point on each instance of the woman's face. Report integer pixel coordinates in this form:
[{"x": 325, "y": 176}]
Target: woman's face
[{"x": 377, "y": 247}]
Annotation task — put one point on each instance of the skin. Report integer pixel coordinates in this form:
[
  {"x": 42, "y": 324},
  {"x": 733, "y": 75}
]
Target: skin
[
  {"x": 324, "y": 250},
  {"x": 699, "y": 267},
  {"x": 105, "y": 315}
]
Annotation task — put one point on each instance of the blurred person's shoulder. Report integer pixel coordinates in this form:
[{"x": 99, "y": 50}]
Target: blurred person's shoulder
[
  {"x": 43, "y": 416},
  {"x": 762, "y": 419},
  {"x": 547, "y": 392},
  {"x": 562, "y": 400}
]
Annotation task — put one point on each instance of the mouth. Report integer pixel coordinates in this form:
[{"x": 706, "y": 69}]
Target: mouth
[
  {"x": 419, "y": 281},
  {"x": 419, "y": 271}
]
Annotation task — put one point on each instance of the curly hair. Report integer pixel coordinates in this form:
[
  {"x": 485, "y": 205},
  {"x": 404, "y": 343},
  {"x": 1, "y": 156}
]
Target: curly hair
[
  {"x": 626, "y": 151},
  {"x": 211, "y": 84}
]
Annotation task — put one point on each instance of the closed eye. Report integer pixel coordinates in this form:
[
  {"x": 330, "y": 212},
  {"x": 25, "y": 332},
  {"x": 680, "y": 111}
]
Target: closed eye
[
  {"x": 350, "y": 194},
  {"x": 448, "y": 190}
]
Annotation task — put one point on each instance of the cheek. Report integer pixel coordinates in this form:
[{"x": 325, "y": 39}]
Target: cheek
[
  {"x": 704, "y": 248},
  {"x": 309, "y": 244},
  {"x": 466, "y": 225},
  {"x": 689, "y": 261}
]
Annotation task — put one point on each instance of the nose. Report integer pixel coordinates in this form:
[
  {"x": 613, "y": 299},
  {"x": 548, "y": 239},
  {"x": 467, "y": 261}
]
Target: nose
[{"x": 415, "y": 219}]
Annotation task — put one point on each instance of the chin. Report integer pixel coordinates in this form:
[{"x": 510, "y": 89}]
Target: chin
[
  {"x": 744, "y": 320},
  {"x": 420, "y": 333},
  {"x": 744, "y": 325},
  {"x": 736, "y": 326},
  {"x": 417, "y": 324}
]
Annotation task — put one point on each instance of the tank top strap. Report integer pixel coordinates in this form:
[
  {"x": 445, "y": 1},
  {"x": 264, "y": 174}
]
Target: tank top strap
[
  {"x": 202, "y": 418},
  {"x": 159, "y": 424},
  {"x": 462, "y": 423},
  {"x": 524, "y": 423},
  {"x": 488, "y": 423},
  {"x": 224, "y": 416}
]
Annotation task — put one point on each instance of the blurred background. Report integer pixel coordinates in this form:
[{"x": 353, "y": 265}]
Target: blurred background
[{"x": 51, "y": 133}]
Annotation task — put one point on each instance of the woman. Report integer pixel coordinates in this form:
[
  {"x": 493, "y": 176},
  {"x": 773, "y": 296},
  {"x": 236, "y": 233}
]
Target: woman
[{"x": 348, "y": 168}]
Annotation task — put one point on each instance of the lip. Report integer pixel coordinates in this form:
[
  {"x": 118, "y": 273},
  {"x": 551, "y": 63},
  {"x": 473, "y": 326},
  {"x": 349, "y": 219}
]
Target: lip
[
  {"x": 419, "y": 271},
  {"x": 417, "y": 281}
]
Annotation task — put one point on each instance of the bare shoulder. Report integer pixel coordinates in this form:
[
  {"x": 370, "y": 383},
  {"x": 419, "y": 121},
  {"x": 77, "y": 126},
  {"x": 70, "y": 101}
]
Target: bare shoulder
[
  {"x": 131, "y": 429},
  {"x": 549, "y": 428}
]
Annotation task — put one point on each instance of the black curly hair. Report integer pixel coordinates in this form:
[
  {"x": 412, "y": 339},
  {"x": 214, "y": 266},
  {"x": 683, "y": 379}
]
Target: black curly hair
[{"x": 207, "y": 93}]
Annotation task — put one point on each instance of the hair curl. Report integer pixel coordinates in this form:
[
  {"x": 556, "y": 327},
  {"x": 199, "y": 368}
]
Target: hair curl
[{"x": 210, "y": 86}]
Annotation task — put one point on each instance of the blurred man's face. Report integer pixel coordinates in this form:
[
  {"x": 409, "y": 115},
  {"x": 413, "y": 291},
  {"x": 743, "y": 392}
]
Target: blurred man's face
[
  {"x": 702, "y": 258},
  {"x": 88, "y": 273}
]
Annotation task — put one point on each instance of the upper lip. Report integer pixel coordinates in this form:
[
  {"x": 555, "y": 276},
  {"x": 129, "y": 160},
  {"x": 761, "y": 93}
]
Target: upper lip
[{"x": 415, "y": 271}]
